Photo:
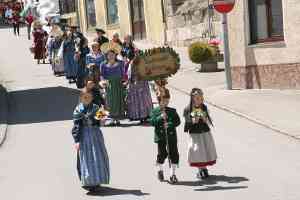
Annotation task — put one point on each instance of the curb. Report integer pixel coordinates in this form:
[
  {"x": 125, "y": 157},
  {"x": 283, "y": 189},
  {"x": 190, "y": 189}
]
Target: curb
[
  {"x": 4, "y": 110},
  {"x": 242, "y": 115}
]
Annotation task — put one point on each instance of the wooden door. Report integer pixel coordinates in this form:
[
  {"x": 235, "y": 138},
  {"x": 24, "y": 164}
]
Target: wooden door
[{"x": 138, "y": 19}]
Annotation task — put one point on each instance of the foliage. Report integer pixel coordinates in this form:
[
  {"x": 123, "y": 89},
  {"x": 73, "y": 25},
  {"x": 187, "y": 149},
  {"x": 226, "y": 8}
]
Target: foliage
[{"x": 200, "y": 52}]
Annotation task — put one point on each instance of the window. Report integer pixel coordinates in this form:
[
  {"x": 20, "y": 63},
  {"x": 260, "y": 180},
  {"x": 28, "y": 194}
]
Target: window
[
  {"x": 90, "y": 13},
  {"x": 67, "y": 6},
  {"x": 266, "y": 21},
  {"x": 112, "y": 12}
]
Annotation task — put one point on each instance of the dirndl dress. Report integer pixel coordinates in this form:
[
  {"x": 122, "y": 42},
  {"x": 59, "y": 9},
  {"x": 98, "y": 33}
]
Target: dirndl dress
[
  {"x": 57, "y": 62},
  {"x": 201, "y": 150},
  {"x": 139, "y": 100},
  {"x": 115, "y": 92},
  {"x": 93, "y": 162}
]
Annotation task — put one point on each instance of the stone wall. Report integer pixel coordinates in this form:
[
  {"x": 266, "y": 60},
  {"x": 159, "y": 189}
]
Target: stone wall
[
  {"x": 277, "y": 76},
  {"x": 185, "y": 28}
]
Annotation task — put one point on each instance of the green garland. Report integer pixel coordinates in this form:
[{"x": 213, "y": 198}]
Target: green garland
[{"x": 149, "y": 52}]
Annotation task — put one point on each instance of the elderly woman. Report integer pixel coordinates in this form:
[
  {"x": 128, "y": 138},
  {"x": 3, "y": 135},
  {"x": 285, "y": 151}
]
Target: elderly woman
[
  {"x": 116, "y": 39},
  {"x": 112, "y": 73},
  {"x": 128, "y": 52},
  {"x": 39, "y": 40},
  {"x": 54, "y": 44}
]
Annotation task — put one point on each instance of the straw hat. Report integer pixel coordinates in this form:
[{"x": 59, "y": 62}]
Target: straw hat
[
  {"x": 108, "y": 46},
  {"x": 37, "y": 24},
  {"x": 56, "y": 31},
  {"x": 93, "y": 44}
]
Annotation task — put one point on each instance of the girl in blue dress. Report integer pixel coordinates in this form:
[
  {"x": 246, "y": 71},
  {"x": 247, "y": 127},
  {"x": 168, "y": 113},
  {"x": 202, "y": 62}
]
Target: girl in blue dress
[{"x": 93, "y": 162}]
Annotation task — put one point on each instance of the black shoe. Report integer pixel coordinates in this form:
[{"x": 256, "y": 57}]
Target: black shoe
[
  {"x": 173, "y": 179},
  {"x": 91, "y": 188},
  {"x": 118, "y": 123},
  {"x": 204, "y": 173},
  {"x": 112, "y": 123},
  {"x": 160, "y": 176}
]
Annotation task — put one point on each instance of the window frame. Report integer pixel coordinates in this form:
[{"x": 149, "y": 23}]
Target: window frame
[
  {"x": 271, "y": 37},
  {"x": 67, "y": 9},
  {"x": 108, "y": 23},
  {"x": 88, "y": 25}
]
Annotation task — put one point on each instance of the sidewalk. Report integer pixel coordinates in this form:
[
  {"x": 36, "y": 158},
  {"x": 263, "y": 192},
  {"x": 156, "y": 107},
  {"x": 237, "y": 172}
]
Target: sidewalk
[{"x": 275, "y": 109}]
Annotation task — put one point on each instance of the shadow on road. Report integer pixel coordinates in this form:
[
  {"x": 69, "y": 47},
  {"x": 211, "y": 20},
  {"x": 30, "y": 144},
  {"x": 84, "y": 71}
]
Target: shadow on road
[
  {"x": 3, "y": 94},
  {"x": 215, "y": 188},
  {"x": 107, "y": 191},
  {"x": 42, "y": 105},
  {"x": 214, "y": 180}
]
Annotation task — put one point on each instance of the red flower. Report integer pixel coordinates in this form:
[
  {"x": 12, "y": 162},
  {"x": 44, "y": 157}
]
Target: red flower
[{"x": 214, "y": 42}]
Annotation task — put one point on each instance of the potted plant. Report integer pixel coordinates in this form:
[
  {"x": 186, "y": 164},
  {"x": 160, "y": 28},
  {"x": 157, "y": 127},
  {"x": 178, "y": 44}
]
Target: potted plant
[{"x": 207, "y": 54}]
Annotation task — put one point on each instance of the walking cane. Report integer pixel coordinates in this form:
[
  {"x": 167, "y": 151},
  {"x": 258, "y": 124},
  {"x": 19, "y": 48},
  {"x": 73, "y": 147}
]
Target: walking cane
[{"x": 167, "y": 139}]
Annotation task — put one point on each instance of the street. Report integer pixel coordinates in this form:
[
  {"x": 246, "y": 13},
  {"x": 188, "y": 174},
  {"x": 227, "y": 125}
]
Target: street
[{"x": 38, "y": 159}]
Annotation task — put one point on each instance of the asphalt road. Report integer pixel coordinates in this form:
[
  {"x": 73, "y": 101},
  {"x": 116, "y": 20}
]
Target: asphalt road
[{"x": 37, "y": 160}]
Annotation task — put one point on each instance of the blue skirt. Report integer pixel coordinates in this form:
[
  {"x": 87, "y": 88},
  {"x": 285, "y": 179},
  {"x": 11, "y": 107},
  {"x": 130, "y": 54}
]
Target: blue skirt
[
  {"x": 70, "y": 65},
  {"x": 93, "y": 159}
]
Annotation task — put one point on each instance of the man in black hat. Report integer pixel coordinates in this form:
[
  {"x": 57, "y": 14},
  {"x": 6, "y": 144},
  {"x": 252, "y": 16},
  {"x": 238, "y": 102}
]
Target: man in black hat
[{"x": 101, "y": 39}]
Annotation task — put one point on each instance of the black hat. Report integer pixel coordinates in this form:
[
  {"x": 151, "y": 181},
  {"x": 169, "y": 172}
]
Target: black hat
[{"x": 100, "y": 30}]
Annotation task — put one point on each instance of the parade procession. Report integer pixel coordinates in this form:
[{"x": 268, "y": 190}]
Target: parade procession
[
  {"x": 120, "y": 82},
  {"x": 149, "y": 99}
]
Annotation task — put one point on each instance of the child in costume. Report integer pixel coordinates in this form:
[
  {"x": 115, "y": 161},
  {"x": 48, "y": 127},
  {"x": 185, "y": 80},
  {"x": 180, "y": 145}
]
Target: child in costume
[
  {"x": 165, "y": 120},
  {"x": 92, "y": 158},
  {"x": 201, "y": 150},
  {"x": 94, "y": 88}
]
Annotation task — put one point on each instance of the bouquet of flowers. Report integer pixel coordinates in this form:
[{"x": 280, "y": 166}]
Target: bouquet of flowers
[
  {"x": 101, "y": 114},
  {"x": 198, "y": 112}
]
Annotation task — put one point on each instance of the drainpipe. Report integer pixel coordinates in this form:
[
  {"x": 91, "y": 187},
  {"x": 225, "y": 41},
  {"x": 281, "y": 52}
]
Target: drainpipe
[{"x": 164, "y": 14}]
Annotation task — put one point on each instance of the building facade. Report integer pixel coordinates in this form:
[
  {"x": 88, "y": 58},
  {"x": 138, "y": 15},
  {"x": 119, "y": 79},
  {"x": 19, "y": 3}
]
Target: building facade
[
  {"x": 141, "y": 18},
  {"x": 265, "y": 44},
  {"x": 68, "y": 11},
  {"x": 176, "y": 22},
  {"x": 191, "y": 20}
]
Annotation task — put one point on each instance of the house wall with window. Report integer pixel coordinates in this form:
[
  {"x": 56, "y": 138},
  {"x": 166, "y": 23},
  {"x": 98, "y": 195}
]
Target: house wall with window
[
  {"x": 117, "y": 16},
  {"x": 68, "y": 11},
  {"x": 265, "y": 44}
]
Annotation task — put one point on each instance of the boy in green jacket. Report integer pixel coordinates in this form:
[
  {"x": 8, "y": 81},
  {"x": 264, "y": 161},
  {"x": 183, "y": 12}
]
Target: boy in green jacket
[{"x": 165, "y": 120}]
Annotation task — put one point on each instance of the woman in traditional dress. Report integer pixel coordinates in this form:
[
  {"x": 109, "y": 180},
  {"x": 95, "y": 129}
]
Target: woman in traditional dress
[
  {"x": 128, "y": 52},
  {"x": 93, "y": 161},
  {"x": 139, "y": 100},
  {"x": 39, "y": 40},
  {"x": 201, "y": 150},
  {"x": 116, "y": 39},
  {"x": 54, "y": 44},
  {"x": 94, "y": 60},
  {"x": 112, "y": 73},
  {"x": 71, "y": 67}
]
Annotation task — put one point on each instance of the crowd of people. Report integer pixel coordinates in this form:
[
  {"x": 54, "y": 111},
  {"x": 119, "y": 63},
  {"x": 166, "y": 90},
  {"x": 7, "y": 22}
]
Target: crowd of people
[
  {"x": 103, "y": 70},
  {"x": 101, "y": 66},
  {"x": 10, "y": 15}
]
